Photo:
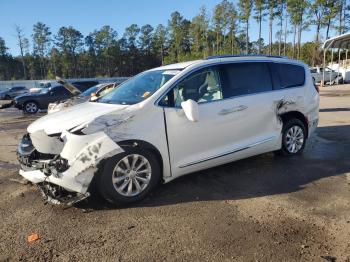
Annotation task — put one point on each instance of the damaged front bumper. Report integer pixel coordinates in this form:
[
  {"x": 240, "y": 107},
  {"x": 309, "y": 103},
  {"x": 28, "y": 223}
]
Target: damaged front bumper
[{"x": 65, "y": 176}]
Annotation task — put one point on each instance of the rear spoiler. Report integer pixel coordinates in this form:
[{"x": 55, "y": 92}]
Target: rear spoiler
[{"x": 68, "y": 86}]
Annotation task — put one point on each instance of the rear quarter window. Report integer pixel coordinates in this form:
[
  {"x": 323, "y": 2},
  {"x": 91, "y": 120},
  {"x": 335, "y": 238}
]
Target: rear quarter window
[{"x": 288, "y": 75}]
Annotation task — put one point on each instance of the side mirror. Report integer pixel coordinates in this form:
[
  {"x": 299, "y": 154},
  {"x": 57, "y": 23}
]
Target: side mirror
[{"x": 191, "y": 110}]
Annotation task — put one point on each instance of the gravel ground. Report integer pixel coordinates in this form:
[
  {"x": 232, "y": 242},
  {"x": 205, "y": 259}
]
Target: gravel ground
[{"x": 264, "y": 208}]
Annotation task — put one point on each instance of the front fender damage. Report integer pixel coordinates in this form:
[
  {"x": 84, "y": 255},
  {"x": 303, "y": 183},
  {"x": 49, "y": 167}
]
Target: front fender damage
[
  {"x": 83, "y": 153},
  {"x": 73, "y": 169}
]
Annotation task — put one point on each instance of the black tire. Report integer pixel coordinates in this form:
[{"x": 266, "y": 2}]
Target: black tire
[
  {"x": 286, "y": 127},
  {"x": 30, "y": 107},
  {"x": 106, "y": 187}
]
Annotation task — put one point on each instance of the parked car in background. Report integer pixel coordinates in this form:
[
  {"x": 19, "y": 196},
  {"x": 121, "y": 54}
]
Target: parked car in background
[
  {"x": 13, "y": 92},
  {"x": 168, "y": 122},
  {"x": 53, "y": 83},
  {"x": 33, "y": 102},
  {"x": 90, "y": 94},
  {"x": 330, "y": 76}
]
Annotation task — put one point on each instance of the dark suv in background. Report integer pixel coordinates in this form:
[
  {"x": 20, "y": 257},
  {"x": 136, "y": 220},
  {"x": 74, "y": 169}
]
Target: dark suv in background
[{"x": 32, "y": 102}]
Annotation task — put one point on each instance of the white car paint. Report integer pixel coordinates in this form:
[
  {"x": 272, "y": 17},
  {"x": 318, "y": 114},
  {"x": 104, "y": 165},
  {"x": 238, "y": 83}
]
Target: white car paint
[{"x": 226, "y": 130}]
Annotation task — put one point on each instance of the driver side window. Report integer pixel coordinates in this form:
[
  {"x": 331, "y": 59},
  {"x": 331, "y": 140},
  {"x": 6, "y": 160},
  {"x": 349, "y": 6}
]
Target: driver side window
[{"x": 202, "y": 86}]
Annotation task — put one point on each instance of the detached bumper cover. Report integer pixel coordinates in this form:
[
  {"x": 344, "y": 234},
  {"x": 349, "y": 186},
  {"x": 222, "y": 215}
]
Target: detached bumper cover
[
  {"x": 65, "y": 181},
  {"x": 82, "y": 154}
]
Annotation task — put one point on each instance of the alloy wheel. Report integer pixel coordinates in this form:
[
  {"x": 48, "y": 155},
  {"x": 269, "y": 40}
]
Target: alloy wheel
[
  {"x": 294, "y": 139},
  {"x": 132, "y": 175},
  {"x": 31, "y": 107}
]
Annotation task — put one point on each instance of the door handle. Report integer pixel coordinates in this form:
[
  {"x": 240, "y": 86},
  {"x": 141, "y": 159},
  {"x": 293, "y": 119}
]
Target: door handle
[{"x": 232, "y": 110}]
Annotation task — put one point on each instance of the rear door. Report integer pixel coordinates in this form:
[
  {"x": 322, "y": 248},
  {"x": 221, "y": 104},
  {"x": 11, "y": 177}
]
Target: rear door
[{"x": 255, "y": 127}]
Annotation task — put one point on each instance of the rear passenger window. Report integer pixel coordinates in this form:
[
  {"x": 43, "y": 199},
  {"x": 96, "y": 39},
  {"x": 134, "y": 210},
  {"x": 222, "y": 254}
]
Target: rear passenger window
[
  {"x": 289, "y": 75},
  {"x": 245, "y": 78}
]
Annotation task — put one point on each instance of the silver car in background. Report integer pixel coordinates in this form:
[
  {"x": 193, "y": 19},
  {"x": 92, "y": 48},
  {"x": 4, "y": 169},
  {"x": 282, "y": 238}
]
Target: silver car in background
[
  {"x": 13, "y": 92},
  {"x": 330, "y": 76}
]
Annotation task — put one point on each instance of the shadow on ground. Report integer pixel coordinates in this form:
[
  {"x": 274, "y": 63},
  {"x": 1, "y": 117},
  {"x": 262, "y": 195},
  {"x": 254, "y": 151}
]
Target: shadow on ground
[{"x": 326, "y": 155}]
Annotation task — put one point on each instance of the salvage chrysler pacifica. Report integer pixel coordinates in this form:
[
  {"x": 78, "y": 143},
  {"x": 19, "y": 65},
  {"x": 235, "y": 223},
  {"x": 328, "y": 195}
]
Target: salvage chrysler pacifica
[{"x": 168, "y": 122}]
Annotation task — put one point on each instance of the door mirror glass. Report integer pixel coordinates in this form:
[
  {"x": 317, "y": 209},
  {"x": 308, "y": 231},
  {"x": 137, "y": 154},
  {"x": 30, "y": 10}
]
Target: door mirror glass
[{"x": 191, "y": 110}]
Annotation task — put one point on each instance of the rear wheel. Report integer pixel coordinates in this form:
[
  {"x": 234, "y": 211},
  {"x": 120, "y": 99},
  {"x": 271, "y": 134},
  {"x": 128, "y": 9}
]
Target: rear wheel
[
  {"x": 31, "y": 107},
  {"x": 293, "y": 137},
  {"x": 129, "y": 177}
]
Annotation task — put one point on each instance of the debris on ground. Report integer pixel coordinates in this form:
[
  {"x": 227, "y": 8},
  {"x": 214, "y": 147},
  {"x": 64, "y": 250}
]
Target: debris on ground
[{"x": 32, "y": 237}]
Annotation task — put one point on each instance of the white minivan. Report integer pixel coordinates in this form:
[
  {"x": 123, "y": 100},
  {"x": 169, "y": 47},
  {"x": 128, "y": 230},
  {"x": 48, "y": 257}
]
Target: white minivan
[{"x": 170, "y": 121}]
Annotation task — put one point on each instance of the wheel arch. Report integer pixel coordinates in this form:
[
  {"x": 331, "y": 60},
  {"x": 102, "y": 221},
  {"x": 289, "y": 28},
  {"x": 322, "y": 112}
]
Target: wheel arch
[
  {"x": 125, "y": 144},
  {"x": 136, "y": 143},
  {"x": 298, "y": 115}
]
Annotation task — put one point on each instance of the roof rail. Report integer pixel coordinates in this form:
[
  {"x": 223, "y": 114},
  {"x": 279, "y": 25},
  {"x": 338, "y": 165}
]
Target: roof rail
[{"x": 242, "y": 55}]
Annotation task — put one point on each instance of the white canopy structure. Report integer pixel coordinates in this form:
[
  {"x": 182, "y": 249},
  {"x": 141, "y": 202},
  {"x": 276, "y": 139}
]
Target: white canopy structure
[{"x": 338, "y": 43}]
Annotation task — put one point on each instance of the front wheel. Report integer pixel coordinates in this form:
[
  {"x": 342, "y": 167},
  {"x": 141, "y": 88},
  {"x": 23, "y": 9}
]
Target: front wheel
[
  {"x": 31, "y": 107},
  {"x": 129, "y": 177},
  {"x": 293, "y": 137}
]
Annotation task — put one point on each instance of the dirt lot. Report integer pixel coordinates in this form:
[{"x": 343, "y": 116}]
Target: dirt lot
[{"x": 264, "y": 208}]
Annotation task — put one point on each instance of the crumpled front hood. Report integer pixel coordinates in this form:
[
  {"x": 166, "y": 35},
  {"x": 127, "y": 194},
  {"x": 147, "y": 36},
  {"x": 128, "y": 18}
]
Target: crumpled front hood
[{"x": 71, "y": 117}]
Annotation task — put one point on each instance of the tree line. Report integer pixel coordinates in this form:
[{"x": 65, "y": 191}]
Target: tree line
[{"x": 224, "y": 30}]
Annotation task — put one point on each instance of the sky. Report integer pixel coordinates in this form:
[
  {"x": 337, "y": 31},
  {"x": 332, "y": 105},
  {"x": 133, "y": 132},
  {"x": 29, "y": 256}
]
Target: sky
[{"x": 88, "y": 15}]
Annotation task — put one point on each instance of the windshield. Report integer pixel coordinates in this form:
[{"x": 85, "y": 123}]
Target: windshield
[{"x": 138, "y": 88}]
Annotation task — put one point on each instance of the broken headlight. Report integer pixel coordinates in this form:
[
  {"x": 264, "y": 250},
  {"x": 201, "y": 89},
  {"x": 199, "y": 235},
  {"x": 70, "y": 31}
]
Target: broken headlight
[{"x": 25, "y": 146}]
